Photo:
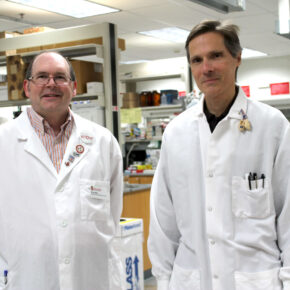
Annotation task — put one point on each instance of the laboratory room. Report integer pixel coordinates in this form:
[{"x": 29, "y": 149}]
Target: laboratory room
[{"x": 120, "y": 110}]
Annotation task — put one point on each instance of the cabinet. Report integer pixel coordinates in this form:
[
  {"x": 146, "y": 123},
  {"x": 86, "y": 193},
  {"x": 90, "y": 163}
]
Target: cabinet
[{"x": 96, "y": 43}]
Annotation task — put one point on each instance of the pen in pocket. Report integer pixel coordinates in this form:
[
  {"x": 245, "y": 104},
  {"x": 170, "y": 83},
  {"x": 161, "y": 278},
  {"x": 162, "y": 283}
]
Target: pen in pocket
[
  {"x": 5, "y": 277},
  {"x": 253, "y": 180}
]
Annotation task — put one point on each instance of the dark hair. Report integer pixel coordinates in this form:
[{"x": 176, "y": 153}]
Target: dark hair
[
  {"x": 228, "y": 31},
  {"x": 29, "y": 68}
]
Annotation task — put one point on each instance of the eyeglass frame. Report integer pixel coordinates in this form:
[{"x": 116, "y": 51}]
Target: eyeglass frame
[{"x": 68, "y": 80}]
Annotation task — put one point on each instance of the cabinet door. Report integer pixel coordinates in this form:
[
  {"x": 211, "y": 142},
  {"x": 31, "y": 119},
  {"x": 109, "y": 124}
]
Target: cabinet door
[
  {"x": 145, "y": 179},
  {"x": 134, "y": 179}
]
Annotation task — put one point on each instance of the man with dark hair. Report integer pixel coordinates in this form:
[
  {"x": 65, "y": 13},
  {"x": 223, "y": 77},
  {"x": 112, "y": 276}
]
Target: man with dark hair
[
  {"x": 60, "y": 189},
  {"x": 220, "y": 203}
]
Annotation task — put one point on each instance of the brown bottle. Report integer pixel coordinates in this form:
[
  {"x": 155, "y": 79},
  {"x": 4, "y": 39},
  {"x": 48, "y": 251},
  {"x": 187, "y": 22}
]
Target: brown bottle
[{"x": 156, "y": 98}]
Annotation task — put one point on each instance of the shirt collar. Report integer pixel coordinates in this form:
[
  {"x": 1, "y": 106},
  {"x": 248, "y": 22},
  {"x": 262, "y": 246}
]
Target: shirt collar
[
  {"x": 41, "y": 125},
  {"x": 234, "y": 112}
]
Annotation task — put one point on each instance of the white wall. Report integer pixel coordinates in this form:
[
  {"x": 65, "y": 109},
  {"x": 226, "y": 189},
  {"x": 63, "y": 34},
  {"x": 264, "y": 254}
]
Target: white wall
[
  {"x": 157, "y": 69},
  {"x": 260, "y": 73}
]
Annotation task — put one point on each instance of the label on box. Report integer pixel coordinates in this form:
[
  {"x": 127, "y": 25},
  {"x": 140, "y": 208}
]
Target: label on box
[
  {"x": 13, "y": 69},
  {"x": 14, "y": 95},
  {"x": 95, "y": 88},
  {"x": 130, "y": 226}
]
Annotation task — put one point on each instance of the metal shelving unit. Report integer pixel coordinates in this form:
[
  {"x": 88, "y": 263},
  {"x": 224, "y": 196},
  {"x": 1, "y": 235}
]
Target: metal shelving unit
[{"x": 107, "y": 54}]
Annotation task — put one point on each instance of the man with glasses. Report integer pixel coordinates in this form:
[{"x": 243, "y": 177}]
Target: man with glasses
[{"x": 60, "y": 188}]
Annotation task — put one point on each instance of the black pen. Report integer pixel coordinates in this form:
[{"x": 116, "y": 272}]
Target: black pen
[
  {"x": 5, "y": 277},
  {"x": 250, "y": 178},
  {"x": 263, "y": 179}
]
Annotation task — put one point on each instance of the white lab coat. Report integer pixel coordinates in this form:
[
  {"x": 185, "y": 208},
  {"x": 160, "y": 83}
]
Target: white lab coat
[
  {"x": 208, "y": 231},
  {"x": 55, "y": 229}
]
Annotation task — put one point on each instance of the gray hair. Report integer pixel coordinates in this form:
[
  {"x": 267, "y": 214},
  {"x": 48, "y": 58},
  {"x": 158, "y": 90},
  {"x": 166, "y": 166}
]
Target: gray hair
[{"x": 228, "y": 31}]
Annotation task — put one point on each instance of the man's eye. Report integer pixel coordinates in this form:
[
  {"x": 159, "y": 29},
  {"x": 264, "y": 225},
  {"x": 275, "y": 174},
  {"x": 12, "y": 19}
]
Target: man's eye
[
  {"x": 196, "y": 60},
  {"x": 42, "y": 77},
  {"x": 218, "y": 54},
  {"x": 62, "y": 78}
]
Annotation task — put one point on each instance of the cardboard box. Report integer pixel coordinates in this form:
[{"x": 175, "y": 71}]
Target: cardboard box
[
  {"x": 16, "y": 69},
  {"x": 126, "y": 265},
  {"x": 130, "y": 100},
  {"x": 85, "y": 72}
]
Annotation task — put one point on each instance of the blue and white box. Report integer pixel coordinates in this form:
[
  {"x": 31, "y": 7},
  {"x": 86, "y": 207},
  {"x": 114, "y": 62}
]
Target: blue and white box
[{"x": 126, "y": 264}]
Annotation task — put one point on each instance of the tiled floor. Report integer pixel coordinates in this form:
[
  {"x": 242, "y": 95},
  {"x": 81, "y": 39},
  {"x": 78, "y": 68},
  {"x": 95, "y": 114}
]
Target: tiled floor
[{"x": 150, "y": 284}]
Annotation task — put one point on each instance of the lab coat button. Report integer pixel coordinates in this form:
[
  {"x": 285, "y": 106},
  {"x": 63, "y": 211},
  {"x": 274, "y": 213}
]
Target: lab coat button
[
  {"x": 215, "y": 276},
  {"x": 212, "y": 242},
  {"x": 67, "y": 261},
  {"x": 64, "y": 224},
  {"x": 210, "y": 174},
  {"x": 209, "y": 208}
]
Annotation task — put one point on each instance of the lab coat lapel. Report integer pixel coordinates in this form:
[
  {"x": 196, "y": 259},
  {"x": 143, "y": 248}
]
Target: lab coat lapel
[
  {"x": 204, "y": 131},
  {"x": 33, "y": 144},
  {"x": 241, "y": 103},
  {"x": 78, "y": 147}
]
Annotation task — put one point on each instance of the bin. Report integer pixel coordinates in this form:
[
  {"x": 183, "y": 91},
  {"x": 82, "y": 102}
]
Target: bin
[{"x": 126, "y": 264}]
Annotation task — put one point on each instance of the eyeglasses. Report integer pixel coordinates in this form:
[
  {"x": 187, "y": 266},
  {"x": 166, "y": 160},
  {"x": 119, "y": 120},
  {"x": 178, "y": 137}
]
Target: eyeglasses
[{"x": 43, "y": 79}]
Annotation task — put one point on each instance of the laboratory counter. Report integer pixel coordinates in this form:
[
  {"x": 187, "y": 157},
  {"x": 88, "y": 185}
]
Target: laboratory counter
[{"x": 129, "y": 187}]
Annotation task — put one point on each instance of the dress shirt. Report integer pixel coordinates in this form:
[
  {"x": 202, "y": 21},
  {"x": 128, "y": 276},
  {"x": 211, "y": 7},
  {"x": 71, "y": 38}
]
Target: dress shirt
[{"x": 55, "y": 145}]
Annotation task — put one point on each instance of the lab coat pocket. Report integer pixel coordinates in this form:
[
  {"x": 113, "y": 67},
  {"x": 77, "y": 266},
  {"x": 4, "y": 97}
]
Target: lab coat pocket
[
  {"x": 266, "y": 280},
  {"x": 248, "y": 203},
  {"x": 184, "y": 279},
  {"x": 3, "y": 283},
  {"x": 95, "y": 200}
]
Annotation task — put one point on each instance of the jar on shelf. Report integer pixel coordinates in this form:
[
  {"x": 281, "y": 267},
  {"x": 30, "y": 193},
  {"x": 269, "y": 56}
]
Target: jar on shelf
[
  {"x": 149, "y": 99},
  {"x": 156, "y": 98},
  {"x": 143, "y": 99}
]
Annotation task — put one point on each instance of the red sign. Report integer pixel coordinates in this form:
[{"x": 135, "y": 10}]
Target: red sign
[
  {"x": 182, "y": 94},
  {"x": 279, "y": 89},
  {"x": 246, "y": 90}
]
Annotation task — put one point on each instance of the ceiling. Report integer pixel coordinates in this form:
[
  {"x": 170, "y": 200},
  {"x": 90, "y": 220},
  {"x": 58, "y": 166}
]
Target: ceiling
[{"x": 257, "y": 24}]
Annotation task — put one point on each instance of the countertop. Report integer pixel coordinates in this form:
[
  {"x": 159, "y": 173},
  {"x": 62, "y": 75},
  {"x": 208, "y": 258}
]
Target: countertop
[{"x": 130, "y": 187}]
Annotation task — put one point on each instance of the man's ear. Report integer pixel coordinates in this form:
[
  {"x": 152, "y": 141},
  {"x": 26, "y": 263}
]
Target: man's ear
[
  {"x": 26, "y": 88},
  {"x": 74, "y": 88}
]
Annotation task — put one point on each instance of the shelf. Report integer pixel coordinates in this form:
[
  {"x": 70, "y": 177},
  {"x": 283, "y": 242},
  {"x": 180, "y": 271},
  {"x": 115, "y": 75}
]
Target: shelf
[
  {"x": 27, "y": 102},
  {"x": 128, "y": 79},
  {"x": 162, "y": 107}
]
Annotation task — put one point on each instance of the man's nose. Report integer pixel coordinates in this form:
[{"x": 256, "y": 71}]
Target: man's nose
[
  {"x": 51, "y": 81},
  {"x": 207, "y": 66}
]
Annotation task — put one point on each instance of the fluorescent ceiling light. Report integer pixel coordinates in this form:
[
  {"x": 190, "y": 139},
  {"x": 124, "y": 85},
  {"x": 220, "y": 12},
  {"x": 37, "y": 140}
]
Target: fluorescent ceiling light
[
  {"x": 249, "y": 53},
  {"x": 223, "y": 6},
  {"x": 74, "y": 8},
  {"x": 173, "y": 34}
]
